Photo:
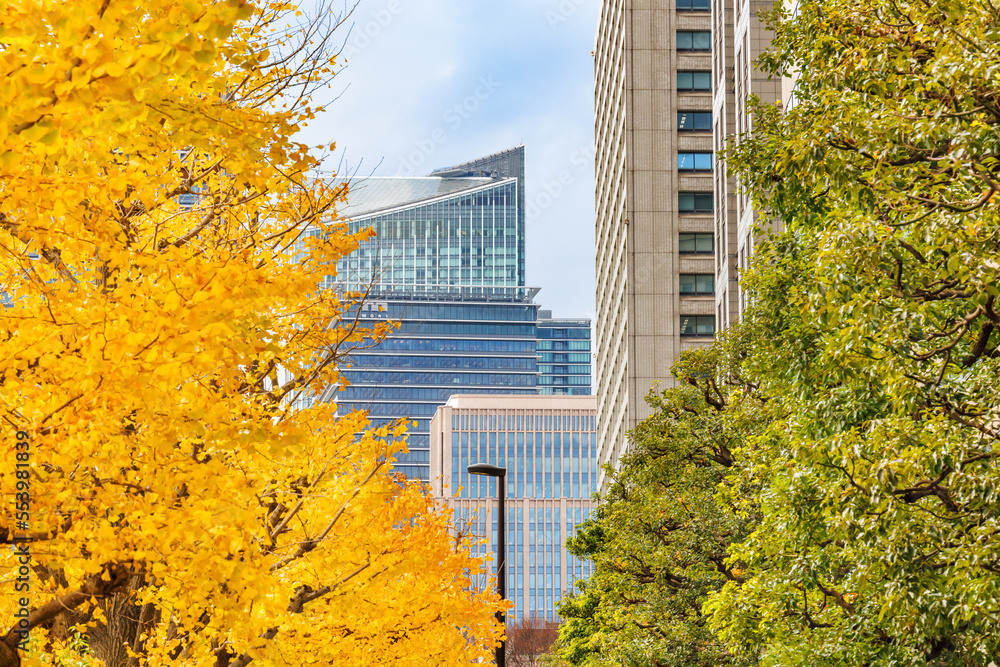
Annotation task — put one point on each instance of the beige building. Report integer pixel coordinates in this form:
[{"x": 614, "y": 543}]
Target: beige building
[
  {"x": 655, "y": 228},
  {"x": 738, "y": 38},
  {"x": 548, "y": 445}
]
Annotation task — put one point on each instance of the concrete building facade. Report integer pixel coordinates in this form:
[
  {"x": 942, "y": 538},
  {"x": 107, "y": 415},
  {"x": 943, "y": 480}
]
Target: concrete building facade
[
  {"x": 655, "y": 227},
  {"x": 548, "y": 444},
  {"x": 739, "y": 36}
]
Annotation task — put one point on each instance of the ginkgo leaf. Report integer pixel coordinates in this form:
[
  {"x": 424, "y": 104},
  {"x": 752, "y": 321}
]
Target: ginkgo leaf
[{"x": 154, "y": 318}]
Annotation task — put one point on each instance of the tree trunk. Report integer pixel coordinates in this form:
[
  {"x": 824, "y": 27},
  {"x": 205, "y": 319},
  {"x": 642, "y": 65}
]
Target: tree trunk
[
  {"x": 9, "y": 657},
  {"x": 109, "y": 642}
]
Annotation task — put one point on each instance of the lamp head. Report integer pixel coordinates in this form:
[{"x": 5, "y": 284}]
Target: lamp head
[{"x": 487, "y": 469}]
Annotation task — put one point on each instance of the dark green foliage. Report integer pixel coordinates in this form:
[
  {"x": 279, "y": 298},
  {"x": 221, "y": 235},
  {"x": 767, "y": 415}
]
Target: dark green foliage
[{"x": 659, "y": 538}]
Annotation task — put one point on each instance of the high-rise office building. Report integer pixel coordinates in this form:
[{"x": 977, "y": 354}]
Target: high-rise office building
[
  {"x": 444, "y": 346},
  {"x": 548, "y": 446},
  {"x": 458, "y": 231},
  {"x": 563, "y": 353},
  {"x": 447, "y": 262},
  {"x": 656, "y": 246},
  {"x": 738, "y": 38}
]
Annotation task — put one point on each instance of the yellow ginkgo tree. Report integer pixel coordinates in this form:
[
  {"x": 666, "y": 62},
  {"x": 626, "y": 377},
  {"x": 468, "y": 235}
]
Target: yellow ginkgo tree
[{"x": 162, "y": 501}]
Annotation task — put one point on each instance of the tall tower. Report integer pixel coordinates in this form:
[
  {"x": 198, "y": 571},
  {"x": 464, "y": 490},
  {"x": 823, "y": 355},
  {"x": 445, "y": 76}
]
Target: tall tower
[
  {"x": 563, "y": 354},
  {"x": 655, "y": 236},
  {"x": 447, "y": 263},
  {"x": 738, "y": 38},
  {"x": 546, "y": 443}
]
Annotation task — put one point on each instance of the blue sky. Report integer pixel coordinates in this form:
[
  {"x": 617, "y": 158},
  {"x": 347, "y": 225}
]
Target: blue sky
[{"x": 431, "y": 83}]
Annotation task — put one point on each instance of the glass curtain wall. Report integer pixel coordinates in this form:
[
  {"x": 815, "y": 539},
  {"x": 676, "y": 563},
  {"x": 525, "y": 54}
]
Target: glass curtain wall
[
  {"x": 442, "y": 348},
  {"x": 471, "y": 239},
  {"x": 563, "y": 356},
  {"x": 551, "y": 462}
]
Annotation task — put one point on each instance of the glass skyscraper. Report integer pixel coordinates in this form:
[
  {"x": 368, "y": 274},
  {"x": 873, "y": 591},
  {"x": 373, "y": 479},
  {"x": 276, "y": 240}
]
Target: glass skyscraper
[
  {"x": 563, "y": 354},
  {"x": 444, "y": 346},
  {"x": 461, "y": 227},
  {"x": 548, "y": 444},
  {"x": 447, "y": 262}
]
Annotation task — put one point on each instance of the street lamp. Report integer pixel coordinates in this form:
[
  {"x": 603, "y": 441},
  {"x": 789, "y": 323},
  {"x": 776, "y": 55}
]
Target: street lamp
[{"x": 493, "y": 471}]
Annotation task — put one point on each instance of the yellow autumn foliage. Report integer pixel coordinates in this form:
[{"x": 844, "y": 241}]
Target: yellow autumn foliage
[{"x": 161, "y": 313}]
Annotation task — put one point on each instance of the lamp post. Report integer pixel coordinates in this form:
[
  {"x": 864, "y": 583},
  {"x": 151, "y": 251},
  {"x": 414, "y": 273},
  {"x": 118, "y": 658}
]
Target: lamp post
[{"x": 500, "y": 473}]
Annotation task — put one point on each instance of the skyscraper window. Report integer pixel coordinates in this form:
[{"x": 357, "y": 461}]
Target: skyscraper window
[
  {"x": 694, "y": 40},
  {"x": 701, "y": 284},
  {"x": 697, "y": 325},
  {"x": 694, "y": 121},
  {"x": 693, "y": 6},
  {"x": 696, "y": 244},
  {"x": 701, "y": 161},
  {"x": 698, "y": 82},
  {"x": 695, "y": 202}
]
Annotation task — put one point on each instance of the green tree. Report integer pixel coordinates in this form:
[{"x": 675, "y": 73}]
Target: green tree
[
  {"x": 659, "y": 536},
  {"x": 878, "y": 543}
]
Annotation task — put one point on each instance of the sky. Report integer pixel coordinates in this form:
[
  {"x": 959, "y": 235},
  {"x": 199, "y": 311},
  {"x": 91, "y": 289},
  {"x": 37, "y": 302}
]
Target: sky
[{"x": 434, "y": 83}]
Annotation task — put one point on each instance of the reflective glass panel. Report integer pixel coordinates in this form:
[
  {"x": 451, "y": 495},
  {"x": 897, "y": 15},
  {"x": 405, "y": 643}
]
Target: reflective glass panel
[
  {"x": 695, "y": 202},
  {"x": 694, "y": 40},
  {"x": 694, "y": 121}
]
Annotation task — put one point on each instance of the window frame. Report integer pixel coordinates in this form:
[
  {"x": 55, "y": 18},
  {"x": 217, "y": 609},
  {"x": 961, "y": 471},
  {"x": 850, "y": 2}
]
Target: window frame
[
  {"x": 690, "y": 8},
  {"x": 695, "y": 235},
  {"x": 692, "y": 49},
  {"x": 695, "y": 155},
  {"x": 693, "y": 114},
  {"x": 697, "y": 322},
  {"x": 697, "y": 289},
  {"x": 692, "y": 73},
  {"x": 695, "y": 196}
]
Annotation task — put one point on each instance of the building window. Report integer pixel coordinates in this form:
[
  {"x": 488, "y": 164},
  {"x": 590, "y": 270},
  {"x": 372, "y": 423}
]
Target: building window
[
  {"x": 693, "y": 6},
  {"x": 697, "y": 284},
  {"x": 187, "y": 201},
  {"x": 696, "y": 244},
  {"x": 697, "y": 325},
  {"x": 694, "y": 121},
  {"x": 696, "y": 82},
  {"x": 695, "y": 202},
  {"x": 694, "y": 161},
  {"x": 694, "y": 40}
]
